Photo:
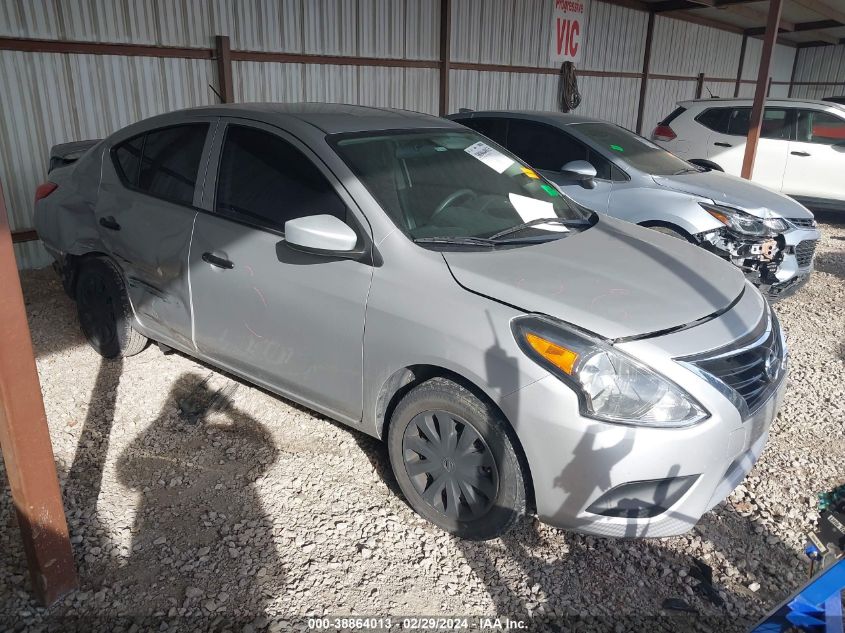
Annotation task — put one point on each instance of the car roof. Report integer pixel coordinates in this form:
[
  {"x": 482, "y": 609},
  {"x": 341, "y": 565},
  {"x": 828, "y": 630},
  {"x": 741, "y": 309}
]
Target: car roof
[
  {"x": 545, "y": 116},
  {"x": 783, "y": 101},
  {"x": 331, "y": 118}
]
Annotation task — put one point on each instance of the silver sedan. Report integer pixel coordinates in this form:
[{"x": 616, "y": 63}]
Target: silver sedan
[
  {"x": 769, "y": 236},
  {"x": 399, "y": 273}
]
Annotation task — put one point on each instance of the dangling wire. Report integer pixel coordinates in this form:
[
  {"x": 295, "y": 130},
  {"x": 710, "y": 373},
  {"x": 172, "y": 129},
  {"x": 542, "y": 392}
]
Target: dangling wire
[{"x": 568, "y": 97}]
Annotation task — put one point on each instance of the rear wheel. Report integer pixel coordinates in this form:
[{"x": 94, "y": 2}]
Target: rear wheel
[
  {"x": 455, "y": 461},
  {"x": 104, "y": 311}
]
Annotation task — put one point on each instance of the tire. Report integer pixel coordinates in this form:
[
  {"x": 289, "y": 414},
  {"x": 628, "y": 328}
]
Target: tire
[
  {"x": 670, "y": 232},
  {"x": 465, "y": 440},
  {"x": 105, "y": 315}
]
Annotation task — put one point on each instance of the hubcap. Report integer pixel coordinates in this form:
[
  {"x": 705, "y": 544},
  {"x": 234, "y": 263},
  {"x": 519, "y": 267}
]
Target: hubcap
[
  {"x": 450, "y": 465},
  {"x": 97, "y": 311}
]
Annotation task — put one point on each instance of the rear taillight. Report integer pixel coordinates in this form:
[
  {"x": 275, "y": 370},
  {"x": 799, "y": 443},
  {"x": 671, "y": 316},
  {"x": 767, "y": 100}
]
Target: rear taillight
[
  {"x": 663, "y": 133},
  {"x": 44, "y": 190}
]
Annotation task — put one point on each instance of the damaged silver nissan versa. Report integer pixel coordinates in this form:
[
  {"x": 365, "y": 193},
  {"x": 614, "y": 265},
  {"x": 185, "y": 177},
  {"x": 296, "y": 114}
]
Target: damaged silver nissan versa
[{"x": 401, "y": 274}]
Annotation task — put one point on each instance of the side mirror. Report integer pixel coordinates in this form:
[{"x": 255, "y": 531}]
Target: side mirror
[
  {"x": 321, "y": 234},
  {"x": 580, "y": 171}
]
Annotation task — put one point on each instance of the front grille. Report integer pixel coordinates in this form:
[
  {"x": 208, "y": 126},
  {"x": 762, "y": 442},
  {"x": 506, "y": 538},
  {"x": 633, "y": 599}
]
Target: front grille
[
  {"x": 753, "y": 371},
  {"x": 804, "y": 252},
  {"x": 804, "y": 223}
]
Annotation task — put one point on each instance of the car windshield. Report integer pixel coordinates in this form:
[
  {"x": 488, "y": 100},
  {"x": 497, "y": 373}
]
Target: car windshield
[
  {"x": 457, "y": 185},
  {"x": 639, "y": 153}
]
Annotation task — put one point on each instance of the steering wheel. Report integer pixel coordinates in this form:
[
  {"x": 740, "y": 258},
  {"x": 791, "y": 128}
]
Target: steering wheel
[{"x": 450, "y": 199}]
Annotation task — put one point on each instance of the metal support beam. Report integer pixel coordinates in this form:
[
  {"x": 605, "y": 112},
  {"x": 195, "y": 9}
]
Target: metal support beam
[
  {"x": 824, "y": 9},
  {"x": 223, "y": 53},
  {"x": 445, "y": 54},
  {"x": 649, "y": 35},
  {"x": 792, "y": 75},
  {"x": 25, "y": 441},
  {"x": 763, "y": 73},
  {"x": 740, "y": 65},
  {"x": 699, "y": 85}
]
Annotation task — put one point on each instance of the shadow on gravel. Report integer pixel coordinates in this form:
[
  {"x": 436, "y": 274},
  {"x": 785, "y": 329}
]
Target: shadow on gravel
[{"x": 831, "y": 263}]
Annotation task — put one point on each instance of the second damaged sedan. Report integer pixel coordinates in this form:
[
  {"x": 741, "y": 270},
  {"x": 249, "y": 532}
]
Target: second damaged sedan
[{"x": 767, "y": 235}]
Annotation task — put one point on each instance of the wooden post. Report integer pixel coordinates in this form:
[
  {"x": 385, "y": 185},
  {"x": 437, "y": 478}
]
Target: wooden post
[
  {"x": 699, "y": 85},
  {"x": 445, "y": 54},
  {"x": 224, "y": 67},
  {"x": 740, "y": 65},
  {"x": 760, "y": 90},
  {"x": 25, "y": 441},
  {"x": 649, "y": 34}
]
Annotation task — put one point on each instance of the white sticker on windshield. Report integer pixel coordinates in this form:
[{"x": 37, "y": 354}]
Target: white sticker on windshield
[
  {"x": 530, "y": 209},
  {"x": 492, "y": 158}
]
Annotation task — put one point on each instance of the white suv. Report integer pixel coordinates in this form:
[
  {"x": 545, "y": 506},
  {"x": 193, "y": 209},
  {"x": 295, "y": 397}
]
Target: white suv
[{"x": 801, "y": 151}]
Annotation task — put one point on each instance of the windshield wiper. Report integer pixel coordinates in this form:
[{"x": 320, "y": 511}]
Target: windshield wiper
[
  {"x": 688, "y": 170},
  {"x": 459, "y": 241},
  {"x": 525, "y": 225}
]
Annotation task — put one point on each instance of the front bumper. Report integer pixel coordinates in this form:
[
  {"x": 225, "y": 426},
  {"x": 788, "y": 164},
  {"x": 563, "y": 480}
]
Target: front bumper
[{"x": 578, "y": 463}]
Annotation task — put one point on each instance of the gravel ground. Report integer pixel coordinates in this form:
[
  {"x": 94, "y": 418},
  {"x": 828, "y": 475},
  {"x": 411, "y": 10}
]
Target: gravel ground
[{"x": 263, "y": 510}]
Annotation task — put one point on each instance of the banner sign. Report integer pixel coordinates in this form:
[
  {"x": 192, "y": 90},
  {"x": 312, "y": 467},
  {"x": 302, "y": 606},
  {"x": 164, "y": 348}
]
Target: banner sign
[{"x": 569, "y": 28}]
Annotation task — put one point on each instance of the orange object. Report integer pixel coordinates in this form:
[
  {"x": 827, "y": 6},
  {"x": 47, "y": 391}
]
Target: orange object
[
  {"x": 557, "y": 355},
  {"x": 530, "y": 173}
]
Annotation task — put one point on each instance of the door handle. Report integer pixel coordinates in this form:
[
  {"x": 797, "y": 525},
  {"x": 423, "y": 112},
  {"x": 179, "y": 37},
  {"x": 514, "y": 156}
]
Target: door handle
[
  {"x": 723, "y": 144},
  {"x": 799, "y": 153},
  {"x": 214, "y": 260},
  {"x": 109, "y": 223}
]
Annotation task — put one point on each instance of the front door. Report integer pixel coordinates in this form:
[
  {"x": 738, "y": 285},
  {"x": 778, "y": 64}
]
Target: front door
[
  {"x": 291, "y": 321},
  {"x": 816, "y": 163},
  {"x": 145, "y": 214}
]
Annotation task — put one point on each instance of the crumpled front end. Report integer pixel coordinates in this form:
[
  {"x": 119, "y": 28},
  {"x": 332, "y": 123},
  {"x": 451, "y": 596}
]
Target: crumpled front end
[{"x": 778, "y": 265}]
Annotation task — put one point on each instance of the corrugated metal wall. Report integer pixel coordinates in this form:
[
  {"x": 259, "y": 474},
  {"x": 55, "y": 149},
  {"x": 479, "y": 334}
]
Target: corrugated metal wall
[
  {"x": 826, "y": 63},
  {"x": 54, "y": 98}
]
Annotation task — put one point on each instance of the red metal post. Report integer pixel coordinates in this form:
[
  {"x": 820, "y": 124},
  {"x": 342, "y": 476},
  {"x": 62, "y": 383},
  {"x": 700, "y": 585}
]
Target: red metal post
[
  {"x": 445, "y": 54},
  {"x": 223, "y": 53},
  {"x": 25, "y": 440},
  {"x": 762, "y": 87}
]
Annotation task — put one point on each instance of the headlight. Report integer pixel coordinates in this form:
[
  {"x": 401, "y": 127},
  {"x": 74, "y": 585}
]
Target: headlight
[
  {"x": 745, "y": 223},
  {"x": 611, "y": 386}
]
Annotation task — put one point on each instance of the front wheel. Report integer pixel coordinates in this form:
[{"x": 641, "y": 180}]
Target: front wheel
[{"x": 455, "y": 461}]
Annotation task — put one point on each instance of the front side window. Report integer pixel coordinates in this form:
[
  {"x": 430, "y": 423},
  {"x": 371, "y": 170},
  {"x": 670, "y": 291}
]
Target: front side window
[
  {"x": 128, "y": 158},
  {"x": 266, "y": 180},
  {"x": 490, "y": 127},
  {"x": 820, "y": 127},
  {"x": 549, "y": 148},
  {"x": 453, "y": 183},
  {"x": 638, "y": 152}
]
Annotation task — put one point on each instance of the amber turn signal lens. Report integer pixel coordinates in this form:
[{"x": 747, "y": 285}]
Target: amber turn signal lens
[
  {"x": 719, "y": 216},
  {"x": 562, "y": 358}
]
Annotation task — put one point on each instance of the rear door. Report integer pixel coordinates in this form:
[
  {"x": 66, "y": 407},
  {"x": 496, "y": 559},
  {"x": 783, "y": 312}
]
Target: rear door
[
  {"x": 145, "y": 212},
  {"x": 728, "y": 132},
  {"x": 815, "y": 166},
  {"x": 289, "y": 320}
]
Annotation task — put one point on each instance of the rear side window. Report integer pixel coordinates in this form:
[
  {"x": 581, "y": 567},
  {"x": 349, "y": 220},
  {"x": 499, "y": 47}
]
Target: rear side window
[
  {"x": 673, "y": 115},
  {"x": 170, "y": 162},
  {"x": 820, "y": 127},
  {"x": 128, "y": 158},
  {"x": 495, "y": 129},
  {"x": 266, "y": 180},
  {"x": 163, "y": 163},
  {"x": 715, "y": 119}
]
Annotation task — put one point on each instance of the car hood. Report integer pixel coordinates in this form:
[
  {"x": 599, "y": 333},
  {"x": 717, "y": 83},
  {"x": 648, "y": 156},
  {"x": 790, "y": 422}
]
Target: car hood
[
  {"x": 735, "y": 192},
  {"x": 615, "y": 279}
]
